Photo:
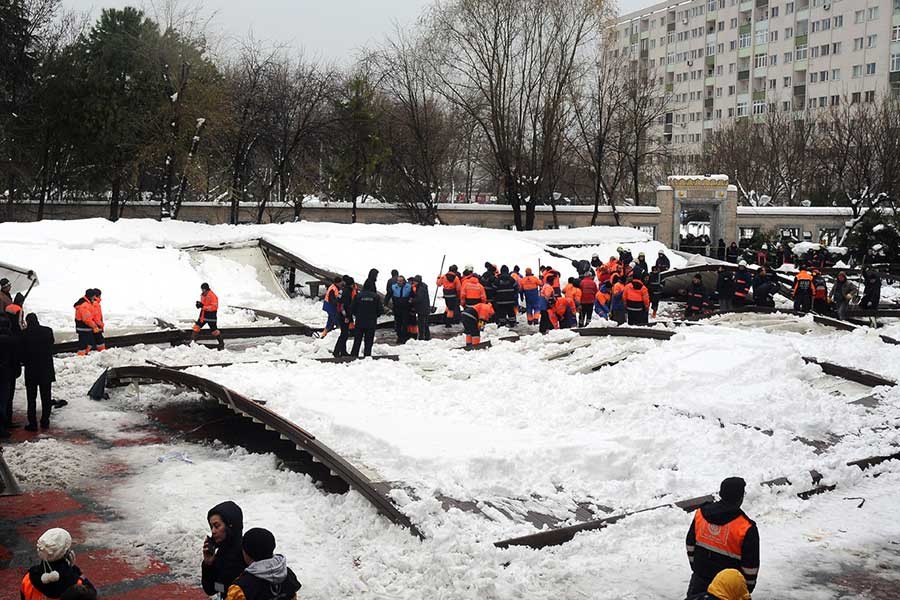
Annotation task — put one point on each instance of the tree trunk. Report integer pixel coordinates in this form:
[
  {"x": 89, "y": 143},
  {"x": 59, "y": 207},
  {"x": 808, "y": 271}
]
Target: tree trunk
[
  {"x": 512, "y": 196},
  {"x": 11, "y": 193},
  {"x": 114, "y": 201}
]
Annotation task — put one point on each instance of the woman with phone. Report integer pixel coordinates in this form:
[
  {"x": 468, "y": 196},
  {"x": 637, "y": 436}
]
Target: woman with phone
[{"x": 223, "y": 560}]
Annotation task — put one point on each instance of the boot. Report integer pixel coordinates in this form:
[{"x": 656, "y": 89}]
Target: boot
[{"x": 220, "y": 342}]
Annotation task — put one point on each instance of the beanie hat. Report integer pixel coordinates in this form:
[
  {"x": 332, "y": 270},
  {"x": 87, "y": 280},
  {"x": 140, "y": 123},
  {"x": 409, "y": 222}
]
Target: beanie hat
[
  {"x": 732, "y": 489},
  {"x": 204, "y": 286},
  {"x": 258, "y": 543},
  {"x": 528, "y": 271},
  {"x": 55, "y": 544},
  {"x": 4, "y": 282},
  {"x": 504, "y": 270}
]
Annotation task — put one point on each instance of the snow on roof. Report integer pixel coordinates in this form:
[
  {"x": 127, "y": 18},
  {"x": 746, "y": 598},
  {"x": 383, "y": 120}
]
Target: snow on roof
[
  {"x": 794, "y": 211},
  {"x": 587, "y": 235},
  {"x": 804, "y": 247},
  {"x": 697, "y": 179}
]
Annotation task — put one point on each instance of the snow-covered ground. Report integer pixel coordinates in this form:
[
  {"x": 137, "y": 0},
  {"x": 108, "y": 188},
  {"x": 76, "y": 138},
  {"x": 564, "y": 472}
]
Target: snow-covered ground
[{"x": 730, "y": 397}]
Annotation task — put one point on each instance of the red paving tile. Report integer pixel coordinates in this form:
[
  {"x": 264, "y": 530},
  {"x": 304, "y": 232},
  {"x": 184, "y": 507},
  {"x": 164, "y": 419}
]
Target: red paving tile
[
  {"x": 38, "y": 503},
  {"x": 166, "y": 591},
  {"x": 5, "y": 554},
  {"x": 104, "y": 567},
  {"x": 31, "y": 531},
  {"x": 10, "y": 582}
]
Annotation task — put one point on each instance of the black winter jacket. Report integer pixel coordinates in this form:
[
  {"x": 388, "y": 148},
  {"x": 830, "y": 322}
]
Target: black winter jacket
[
  {"x": 37, "y": 355},
  {"x": 366, "y": 309},
  {"x": 68, "y": 576},
  {"x": 229, "y": 560}
]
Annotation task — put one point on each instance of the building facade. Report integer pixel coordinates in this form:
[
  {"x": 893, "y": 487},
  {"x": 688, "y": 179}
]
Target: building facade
[{"x": 719, "y": 60}]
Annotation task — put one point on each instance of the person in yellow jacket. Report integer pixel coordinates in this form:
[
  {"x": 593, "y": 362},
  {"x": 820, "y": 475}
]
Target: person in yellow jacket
[
  {"x": 267, "y": 576},
  {"x": 729, "y": 584}
]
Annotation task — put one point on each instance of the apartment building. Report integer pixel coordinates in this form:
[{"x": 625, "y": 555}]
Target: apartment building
[{"x": 731, "y": 59}]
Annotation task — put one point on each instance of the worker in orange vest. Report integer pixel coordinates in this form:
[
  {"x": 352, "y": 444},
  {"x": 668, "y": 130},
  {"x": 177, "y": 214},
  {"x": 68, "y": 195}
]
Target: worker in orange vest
[
  {"x": 471, "y": 292},
  {"x": 566, "y": 313},
  {"x": 16, "y": 314},
  {"x": 56, "y": 572},
  {"x": 451, "y": 285},
  {"x": 804, "y": 290},
  {"x": 572, "y": 291},
  {"x": 531, "y": 289},
  {"x": 637, "y": 302},
  {"x": 722, "y": 536},
  {"x": 85, "y": 326},
  {"x": 97, "y": 309},
  {"x": 617, "y": 309},
  {"x": 209, "y": 315},
  {"x": 474, "y": 318}
]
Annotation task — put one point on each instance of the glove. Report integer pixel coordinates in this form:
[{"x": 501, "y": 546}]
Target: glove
[
  {"x": 96, "y": 330},
  {"x": 198, "y": 304},
  {"x": 480, "y": 324}
]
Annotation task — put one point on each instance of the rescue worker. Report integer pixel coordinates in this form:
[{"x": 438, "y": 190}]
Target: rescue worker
[
  {"x": 596, "y": 263},
  {"x": 389, "y": 286},
  {"x": 474, "y": 318},
  {"x": 5, "y": 293},
  {"x": 37, "y": 358},
  {"x": 764, "y": 288},
  {"x": 450, "y": 285},
  {"x": 588, "y": 295},
  {"x": 421, "y": 305},
  {"x": 722, "y": 536},
  {"x": 16, "y": 314},
  {"x": 348, "y": 291},
  {"x": 366, "y": 308},
  {"x": 804, "y": 290},
  {"x": 572, "y": 291},
  {"x": 531, "y": 289},
  {"x": 820, "y": 295},
  {"x": 547, "y": 302},
  {"x": 641, "y": 268},
  {"x": 742, "y": 281},
  {"x": 872, "y": 289},
  {"x": 209, "y": 315},
  {"x": 842, "y": 295},
  {"x": 97, "y": 309},
  {"x": 505, "y": 300},
  {"x": 617, "y": 311},
  {"x": 729, "y": 584},
  {"x": 654, "y": 284},
  {"x": 267, "y": 576},
  {"x": 471, "y": 291},
  {"x": 565, "y": 312},
  {"x": 625, "y": 256},
  {"x": 399, "y": 298},
  {"x": 602, "y": 300},
  {"x": 84, "y": 323},
  {"x": 733, "y": 252},
  {"x": 488, "y": 281},
  {"x": 329, "y": 305},
  {"x": 608, "y": 270},
  {"x": 553, "y": 277},
  {"x": 663, "y": 262},
  {"x": 696, "y": 298},
  {"x": 637, "y": 302},
  {"x": 762, "y": 256},
  {"x": 725, "y": 288},
  {"x": 57, "y": 570}
]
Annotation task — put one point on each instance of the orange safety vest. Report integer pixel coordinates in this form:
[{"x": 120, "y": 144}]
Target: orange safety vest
[
  {"x": 29, "y": 592},
  {"x": 97, "y": 312},
  {"x": 529, "y": 282},
  {"x": 210, "y": 301},
  {"x": 484, "y": 311},
  {"x": 451, "y": 288},
  {"x": 84, "y": 313},
  {"x": 726, "y": 540},
  {"x": 805, "y": 276},
  {"x": 632, "y": 294},
  {"x": 472, "y": 292},
  {"x": 573, "y": 293}
]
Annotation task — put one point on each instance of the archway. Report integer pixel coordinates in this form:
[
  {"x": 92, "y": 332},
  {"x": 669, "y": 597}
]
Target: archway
[{"x": 695, "y": 232}]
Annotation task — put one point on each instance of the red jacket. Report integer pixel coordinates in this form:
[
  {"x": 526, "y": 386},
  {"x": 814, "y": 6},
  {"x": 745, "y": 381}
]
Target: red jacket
[{"x": 588, "y": 290}]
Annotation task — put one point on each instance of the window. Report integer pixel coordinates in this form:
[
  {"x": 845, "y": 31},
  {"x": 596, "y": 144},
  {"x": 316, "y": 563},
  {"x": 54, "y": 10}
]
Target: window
[
  {"x": 718, "y": 92},
  {"x": 859, "y": 16},
  {"x": 857, "y": 44},
  {"x": 788, "y": 56},
  {"x": 759, "y": 107},
  {"x": 835, "y": 100},
  {"x": 760, "y": 60},
  {"x": 835, "y": 74},
  {"x": 872, "y": 41},
  {"x": 787, "y": 82},
  {"x": 815, "y": 27},
  {"x": 731, "y": 90},
  {"x": 896, "y": 6},
  {"x": 789, "y": 8},
  {"x": 801, "y": 53},
  {"x": 836, "y": 48},
  {"x": 730, "y": 112},
  {"x": 895, "y": 33},
  {"x": 857, "y": 71},
  {"x": 870, "y": 68},
  {"x": 774, "y": 12},
  {"x": 734, "y": 23},
  {"x": 823, "y": 101},
  {"x": 744, "y": 41},
  {"x": 773, "y": 84},
  {"x": 748, "y": 232},
  {"x": 814, "y": 52},
  {"x": 773, "y": 36},
  {"x": 785, "y": 106},
  {"x": 823, "y": 75},
  {"x": 742, "y": 109},
  {"x": 773, "y": 59},
  {"x": 873, "y": 13},
  {"x": 731, "y": 68},
  {"x": 732, "y": 46},
  {"x": 825, "y": 50},
  {"x": 855, "y": 98},
  {"x": 762, "y": 36},
  {"x": 814, "y": 77},
  {"x": 870, "y": 96},
  {"x": 721, "y": 26},
  {"x": 826, "y": 24},
  {"x": 838, "y": 21},
  {"x": 895, "y": 63},
  {"x": 788, "y": 33}
]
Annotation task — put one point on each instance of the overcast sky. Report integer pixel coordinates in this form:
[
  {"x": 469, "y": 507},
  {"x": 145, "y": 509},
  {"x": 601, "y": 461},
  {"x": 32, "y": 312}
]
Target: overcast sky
[{"x": 331, "y": 29}]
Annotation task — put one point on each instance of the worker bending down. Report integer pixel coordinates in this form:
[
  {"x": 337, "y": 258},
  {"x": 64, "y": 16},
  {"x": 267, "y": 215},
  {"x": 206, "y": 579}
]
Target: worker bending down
[{"x": 209, "y": 315}]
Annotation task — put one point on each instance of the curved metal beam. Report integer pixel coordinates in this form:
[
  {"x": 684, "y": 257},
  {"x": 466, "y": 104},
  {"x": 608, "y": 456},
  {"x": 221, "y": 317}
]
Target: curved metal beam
[
  {"x": 273, "y": 315},
  {"x": 249, "y": 408}
]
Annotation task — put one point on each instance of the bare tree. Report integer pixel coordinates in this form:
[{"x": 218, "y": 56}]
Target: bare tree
[{"x": 508, "y": 64}]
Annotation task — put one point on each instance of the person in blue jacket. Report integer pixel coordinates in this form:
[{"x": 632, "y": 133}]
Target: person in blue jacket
[{"x": 401, "y": 292}]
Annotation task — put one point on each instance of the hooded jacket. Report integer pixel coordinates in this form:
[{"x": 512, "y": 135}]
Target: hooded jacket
[
  {"x": 34, "y": 589},
  {"x": 707, "y": 562},
  {"x": 367, "y": 307},
  {"x": 268, "y": 579},
  {"x": 229, "y": 560}
]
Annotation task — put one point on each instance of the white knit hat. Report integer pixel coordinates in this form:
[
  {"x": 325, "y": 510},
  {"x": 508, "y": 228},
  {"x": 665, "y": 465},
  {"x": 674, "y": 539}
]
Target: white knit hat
[{"x": 54, "y": 544}]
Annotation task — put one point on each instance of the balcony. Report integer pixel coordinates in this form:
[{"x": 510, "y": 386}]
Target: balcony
[
  {"x": 895, "y": 77},
  {"x": 801, "y": 40},
  {"x": 710, "y": 61},
  {"x": 708, "y": 103},
  {"x": 761, "y": 3},
  {"x": 800, "y": 90},
  {"x": 743, "y": 75},
  {"x": 759, "y": 95},
  {"x": 669, "y": 88},
  {"x": 744, "y": 29}
]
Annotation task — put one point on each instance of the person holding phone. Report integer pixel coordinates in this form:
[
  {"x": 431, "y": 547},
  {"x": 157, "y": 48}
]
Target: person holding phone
[{"x": 223, "y": 559}]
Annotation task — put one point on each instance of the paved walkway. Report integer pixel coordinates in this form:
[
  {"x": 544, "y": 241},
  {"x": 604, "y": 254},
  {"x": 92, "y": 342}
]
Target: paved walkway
[{"x": 24, "y": 518}]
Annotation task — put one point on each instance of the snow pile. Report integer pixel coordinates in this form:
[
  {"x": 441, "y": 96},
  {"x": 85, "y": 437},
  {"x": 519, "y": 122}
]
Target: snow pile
[
  {"x": 587, "y": 236},
  {"x": 803, "y": 247}
]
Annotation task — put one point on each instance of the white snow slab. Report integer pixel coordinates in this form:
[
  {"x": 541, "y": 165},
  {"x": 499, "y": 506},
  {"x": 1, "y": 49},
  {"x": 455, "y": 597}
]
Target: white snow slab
[{"x": 587, "y": 236}]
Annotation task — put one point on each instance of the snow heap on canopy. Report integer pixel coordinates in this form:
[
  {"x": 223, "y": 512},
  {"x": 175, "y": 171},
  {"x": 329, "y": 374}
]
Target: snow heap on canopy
[
  {"x": 803, "y": 247},
  {"x": 146, "y": 269}
]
